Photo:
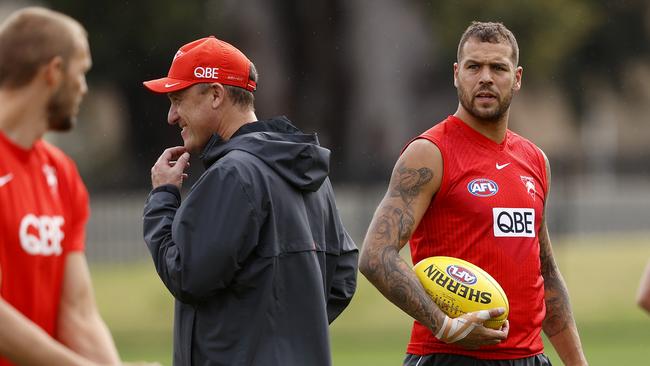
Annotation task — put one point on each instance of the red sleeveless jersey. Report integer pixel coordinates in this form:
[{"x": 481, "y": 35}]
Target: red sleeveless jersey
[
  {"x": 488, "y": 211},
  {"x": 43, "y": 217}
]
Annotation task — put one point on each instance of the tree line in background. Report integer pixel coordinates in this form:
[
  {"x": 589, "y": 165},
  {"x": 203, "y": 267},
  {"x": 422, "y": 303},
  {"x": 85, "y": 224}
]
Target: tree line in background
[{"x": 565, "y": 43}]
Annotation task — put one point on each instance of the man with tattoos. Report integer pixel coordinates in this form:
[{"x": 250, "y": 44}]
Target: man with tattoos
[{"x": 472, "y": 189}]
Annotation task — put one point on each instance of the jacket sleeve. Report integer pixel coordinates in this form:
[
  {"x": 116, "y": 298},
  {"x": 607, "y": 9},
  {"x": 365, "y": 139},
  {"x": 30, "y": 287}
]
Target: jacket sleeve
[
  {"x": 344, "y": 280},
  {"x": 342, "y": 262},
  {"x": 197, "y": 247}
]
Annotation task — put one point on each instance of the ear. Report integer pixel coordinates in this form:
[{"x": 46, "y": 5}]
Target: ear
[
  {"x": 54, "y": 72},
  {"x": 218, "y": 94},
  {"x": 518, "y": 75},
  {"x": 456, "y": 74}
]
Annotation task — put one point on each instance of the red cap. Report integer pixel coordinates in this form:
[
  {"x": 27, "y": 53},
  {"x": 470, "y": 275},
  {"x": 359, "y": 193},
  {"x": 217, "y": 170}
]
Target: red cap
[{"x": 206, "y": 60}]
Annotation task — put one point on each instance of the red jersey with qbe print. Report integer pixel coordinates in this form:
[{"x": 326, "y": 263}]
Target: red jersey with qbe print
[
  {"x": 44, "y": 209},
  {"x": 488, "y": 211}
]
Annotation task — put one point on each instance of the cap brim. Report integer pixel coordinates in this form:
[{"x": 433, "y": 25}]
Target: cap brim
[{"x": 167, "y": 85}]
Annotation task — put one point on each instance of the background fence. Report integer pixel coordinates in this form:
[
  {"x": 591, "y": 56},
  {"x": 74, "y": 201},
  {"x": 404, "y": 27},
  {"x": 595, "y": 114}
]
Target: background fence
[{"x": 577, "y": 207}]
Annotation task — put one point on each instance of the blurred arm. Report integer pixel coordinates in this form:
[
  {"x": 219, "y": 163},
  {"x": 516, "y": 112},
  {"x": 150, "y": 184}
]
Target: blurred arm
[
  {"x": 559, "y": 324},
  {"x": 415, "y": 179},
  {"x": 643, "y": 294},
  {"x": 80, "y": 327},
  {"x": 25, "y": 343}
]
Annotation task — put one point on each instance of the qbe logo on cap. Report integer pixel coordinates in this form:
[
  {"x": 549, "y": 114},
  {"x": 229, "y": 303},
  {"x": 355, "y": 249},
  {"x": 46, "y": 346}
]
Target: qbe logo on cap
[
  {"x": 514, "y": 222},
  {"x": 206, "y": 72}
]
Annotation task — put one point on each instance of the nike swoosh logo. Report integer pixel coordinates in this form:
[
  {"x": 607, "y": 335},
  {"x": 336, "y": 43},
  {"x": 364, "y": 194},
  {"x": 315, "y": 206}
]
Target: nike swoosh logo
[
  {"x": 170, "y": 85},
  {"x": 5, "y": 179},
  {"x": 499, "y": 167}
]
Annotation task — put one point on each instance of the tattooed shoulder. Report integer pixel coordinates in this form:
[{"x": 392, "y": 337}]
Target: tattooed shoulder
[{"x": 407, "y": 182}]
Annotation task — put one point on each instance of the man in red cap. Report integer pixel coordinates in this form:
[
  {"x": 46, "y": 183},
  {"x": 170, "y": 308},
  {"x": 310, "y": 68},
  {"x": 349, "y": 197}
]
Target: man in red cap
[{"x": 256, "y": 254}]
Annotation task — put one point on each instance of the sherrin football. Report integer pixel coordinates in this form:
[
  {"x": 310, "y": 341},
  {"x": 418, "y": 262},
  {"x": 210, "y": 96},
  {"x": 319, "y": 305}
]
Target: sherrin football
[{"x": 459, "y": 287}]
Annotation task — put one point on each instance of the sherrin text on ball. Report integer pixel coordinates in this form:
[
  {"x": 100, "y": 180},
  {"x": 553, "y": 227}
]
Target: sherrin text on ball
[{"x": 460, "y": 287}]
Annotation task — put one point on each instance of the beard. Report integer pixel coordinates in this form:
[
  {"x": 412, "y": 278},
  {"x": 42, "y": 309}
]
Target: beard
[
  {"x": 60, "y": 110},
  {"x": 488, "y": 115}
]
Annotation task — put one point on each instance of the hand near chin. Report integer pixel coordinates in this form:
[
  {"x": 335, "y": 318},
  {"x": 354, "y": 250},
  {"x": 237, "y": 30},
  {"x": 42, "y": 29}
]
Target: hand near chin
[{"x": 170, "y": 167}]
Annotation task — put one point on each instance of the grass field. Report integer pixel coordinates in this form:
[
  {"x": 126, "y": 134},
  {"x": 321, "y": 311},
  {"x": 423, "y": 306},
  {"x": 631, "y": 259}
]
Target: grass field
[{"x": 602, "y": 274}]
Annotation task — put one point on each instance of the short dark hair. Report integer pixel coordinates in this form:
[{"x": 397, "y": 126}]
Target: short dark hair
[
  {"x": 241, "y": 96},
  {"x": 32, "y": 37},
  {"x": 490, "y": 32}
]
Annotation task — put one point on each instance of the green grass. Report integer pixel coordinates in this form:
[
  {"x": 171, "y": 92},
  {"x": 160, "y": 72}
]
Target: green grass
[
  {"x": 138, "y": 310},
  {"x": 602, "y": 275}
]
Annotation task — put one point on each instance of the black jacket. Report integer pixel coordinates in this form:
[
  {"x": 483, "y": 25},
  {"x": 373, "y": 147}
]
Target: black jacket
[{"x": 256, "y": 255}]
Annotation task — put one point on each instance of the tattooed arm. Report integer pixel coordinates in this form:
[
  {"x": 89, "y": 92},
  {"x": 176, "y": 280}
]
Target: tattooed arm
[
  {"x": 415, "y": 179},
  {"x": 559, "y": 325}
]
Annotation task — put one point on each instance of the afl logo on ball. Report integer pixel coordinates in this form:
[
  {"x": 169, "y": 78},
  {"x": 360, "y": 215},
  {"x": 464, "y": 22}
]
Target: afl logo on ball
[
  {"x": 461, "y": 274},
  {"x": 483, "y": 187}
]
